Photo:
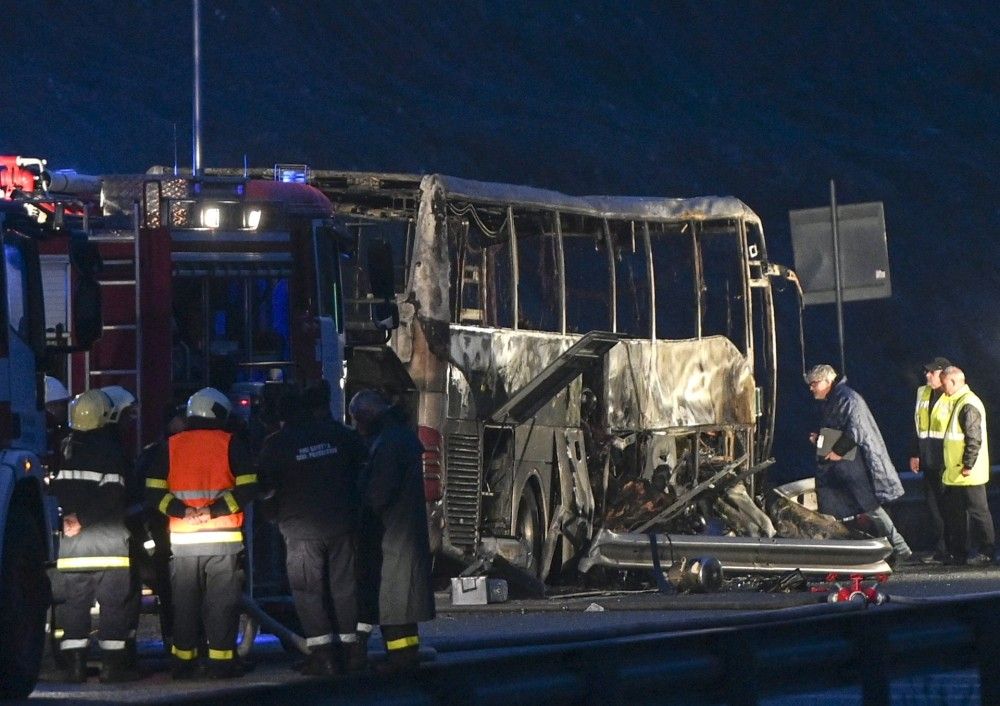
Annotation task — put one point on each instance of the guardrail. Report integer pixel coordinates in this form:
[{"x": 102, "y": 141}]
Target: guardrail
[{"x": 828, "y": 647}]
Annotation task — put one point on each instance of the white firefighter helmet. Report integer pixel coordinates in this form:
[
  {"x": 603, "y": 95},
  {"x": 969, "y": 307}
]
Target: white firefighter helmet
[
  {"x": 55, "y": 391},
  {"x": 89, "y": 410},
  {"x": 121, "y": 399},
  {"x": 209, "y": 403}
]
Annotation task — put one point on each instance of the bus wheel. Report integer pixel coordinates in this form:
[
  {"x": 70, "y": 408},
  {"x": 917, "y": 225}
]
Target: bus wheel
[
  {"x": 24, "y": 598},
  {"x": 529, "y": 528}
]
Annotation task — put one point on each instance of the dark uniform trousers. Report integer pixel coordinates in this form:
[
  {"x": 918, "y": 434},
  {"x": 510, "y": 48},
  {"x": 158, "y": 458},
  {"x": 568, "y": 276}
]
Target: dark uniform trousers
[
  {"x": 966, "y": 507},
  {"x": 934, "y": 493},
  {"x": 209, "y": 583},
  {"x": 321, "y": 574},
  {"x": 114, "y": 590},
  {"x": 158, "y": 576}
]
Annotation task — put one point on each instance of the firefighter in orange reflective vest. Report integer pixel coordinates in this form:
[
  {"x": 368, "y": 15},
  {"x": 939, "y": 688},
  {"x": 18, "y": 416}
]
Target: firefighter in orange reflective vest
[
  {"x": 93, "y": 552},
  {"x": 202, "y": 479}
]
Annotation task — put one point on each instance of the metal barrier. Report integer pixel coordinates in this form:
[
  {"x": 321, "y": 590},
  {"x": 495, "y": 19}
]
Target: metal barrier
[{"x": 843, "y": 645}]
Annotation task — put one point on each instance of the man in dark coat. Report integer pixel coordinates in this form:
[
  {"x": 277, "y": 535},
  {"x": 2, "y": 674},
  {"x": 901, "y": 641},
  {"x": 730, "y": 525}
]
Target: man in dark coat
[
  {"x": 394, "y": 548},
  {"x": 850, "y": 485},
  {"x": 310, "y": 467}
]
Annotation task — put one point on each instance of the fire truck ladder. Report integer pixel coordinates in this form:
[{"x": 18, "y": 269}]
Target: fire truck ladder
[{"x": 120, "y": 250}]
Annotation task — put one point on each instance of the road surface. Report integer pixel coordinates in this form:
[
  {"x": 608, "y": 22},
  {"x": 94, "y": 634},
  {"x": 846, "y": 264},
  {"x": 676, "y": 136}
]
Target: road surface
[{"x": 476, "y": 633}]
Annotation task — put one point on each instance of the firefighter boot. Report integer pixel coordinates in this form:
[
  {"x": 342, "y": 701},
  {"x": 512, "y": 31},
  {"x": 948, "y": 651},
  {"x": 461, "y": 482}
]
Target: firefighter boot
[
  {"x": 357, "y": 655},
  {"x": 115, "y": 667},
  {"x": 401, "y": 661},
  {"x": 322, "y": 662},
  {"x": 183, "y": 669},
  {"x": 131, "y": 654},
  {"x": 76, "y": 665},
  {"x": 225, "y": 669}
]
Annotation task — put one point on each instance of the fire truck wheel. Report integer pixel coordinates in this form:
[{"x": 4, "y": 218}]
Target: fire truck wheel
[
  {"x": 249, "y": 629},
  {"x": 53, "y": 640},
  {"x": 24, "y": 593},
  {"x": 529, "y": 527}
]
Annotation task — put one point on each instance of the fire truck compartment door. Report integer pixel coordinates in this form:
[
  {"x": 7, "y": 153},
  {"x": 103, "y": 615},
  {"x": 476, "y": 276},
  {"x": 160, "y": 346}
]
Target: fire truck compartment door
[
  {"x": 231, "y": 254},
  {"x": 378, "y": 366},
  {"x": 331, "y": 359}
]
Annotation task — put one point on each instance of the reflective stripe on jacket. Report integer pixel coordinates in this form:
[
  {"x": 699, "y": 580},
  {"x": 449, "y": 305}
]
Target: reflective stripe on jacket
[
  {"x": 931, "y": 423},
  {"x": 90, "y": 487},
  {"x": 922, "y": 412},
  {"x": 954, "y": 444},
  {"x": 91, "y": 563}
]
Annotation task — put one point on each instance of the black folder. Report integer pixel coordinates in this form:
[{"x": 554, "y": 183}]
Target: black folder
[{"x": 827, "y": 438}]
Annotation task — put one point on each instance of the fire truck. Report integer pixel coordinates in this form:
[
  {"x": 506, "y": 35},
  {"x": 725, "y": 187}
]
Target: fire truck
[
  {"x": 162, "y": 285},
  {"x": 213, "y": 281},
  {"x": 226, "y": 281},
  {"x": 37, "y": 210}
]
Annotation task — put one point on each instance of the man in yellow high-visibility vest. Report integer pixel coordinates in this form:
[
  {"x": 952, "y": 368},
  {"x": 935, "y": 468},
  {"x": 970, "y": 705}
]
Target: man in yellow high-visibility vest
[
  {"x": 966, "y": 472},
  {"x": 930, "y": 417}
]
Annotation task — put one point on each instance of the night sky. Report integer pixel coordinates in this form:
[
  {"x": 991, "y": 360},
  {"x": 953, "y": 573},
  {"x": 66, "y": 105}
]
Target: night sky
[{"x": 764, "y": 101}]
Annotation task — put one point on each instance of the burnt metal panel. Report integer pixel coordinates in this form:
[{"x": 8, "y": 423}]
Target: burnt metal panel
[
  {"x": 463, "y": 467},
  {"x": 551, "y": 380},
  {"x": 664, "y": 384}
]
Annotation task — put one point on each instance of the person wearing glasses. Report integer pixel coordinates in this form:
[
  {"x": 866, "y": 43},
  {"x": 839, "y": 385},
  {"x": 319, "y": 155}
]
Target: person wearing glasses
[{"x": 857, "y": 467}]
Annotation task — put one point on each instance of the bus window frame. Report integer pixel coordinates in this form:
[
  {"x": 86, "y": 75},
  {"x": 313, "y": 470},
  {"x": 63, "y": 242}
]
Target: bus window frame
[
  {"x": 735, "y": 229},
  {"x": 600, "y": 240}
]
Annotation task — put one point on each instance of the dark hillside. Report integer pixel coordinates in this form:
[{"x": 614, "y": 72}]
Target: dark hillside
[{"x": 764, "y": 101}]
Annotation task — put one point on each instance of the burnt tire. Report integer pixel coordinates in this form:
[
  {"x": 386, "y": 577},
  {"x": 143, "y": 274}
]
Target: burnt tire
[
  {"x": 531, "y": 528},
  {"x": 24, "y": 600}
]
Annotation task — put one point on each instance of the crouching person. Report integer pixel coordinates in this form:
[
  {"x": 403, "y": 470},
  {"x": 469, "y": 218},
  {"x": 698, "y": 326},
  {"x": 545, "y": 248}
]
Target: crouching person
[
  {"x": 201, "y": 479},
  {"x": 93, "y": 561},
  {"x": 394, "y": 551},
  {"x": 309, "y": 468}
]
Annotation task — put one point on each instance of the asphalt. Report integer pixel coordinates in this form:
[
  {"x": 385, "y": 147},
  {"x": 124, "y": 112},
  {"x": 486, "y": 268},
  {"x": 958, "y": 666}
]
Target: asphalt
[{"x": 477, "y": 632}]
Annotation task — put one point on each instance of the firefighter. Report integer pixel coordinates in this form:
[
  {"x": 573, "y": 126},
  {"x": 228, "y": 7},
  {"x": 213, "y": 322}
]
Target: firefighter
[
  {"x": 156, "y": 572},
  {"x": 93, "y": 558},
  {"x": 57, "y": 399},
  {"x": 120, "y": 413},
  {"x": 202, "y": 479},
  {"x": 394, "y": 551},
  {"x": 311, "y": 466}
]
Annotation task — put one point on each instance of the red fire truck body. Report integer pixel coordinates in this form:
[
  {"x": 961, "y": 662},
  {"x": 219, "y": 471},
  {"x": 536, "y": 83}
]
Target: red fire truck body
[{"x": 224, "y": 282}]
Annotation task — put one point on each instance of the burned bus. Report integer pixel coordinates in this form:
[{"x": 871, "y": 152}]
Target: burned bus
[{"x": 583, "y": 371}]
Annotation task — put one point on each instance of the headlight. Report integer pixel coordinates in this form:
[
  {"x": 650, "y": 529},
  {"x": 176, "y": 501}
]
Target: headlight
[
  {"x": 211, "y": 217},
  {"x": 253, "y": 218}
]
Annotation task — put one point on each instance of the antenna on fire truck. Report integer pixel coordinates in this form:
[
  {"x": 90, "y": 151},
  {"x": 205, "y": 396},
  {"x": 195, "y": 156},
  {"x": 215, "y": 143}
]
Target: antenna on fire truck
[{"x": 196, "y": 113}]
